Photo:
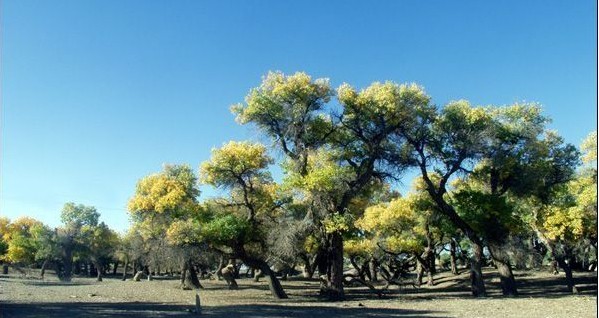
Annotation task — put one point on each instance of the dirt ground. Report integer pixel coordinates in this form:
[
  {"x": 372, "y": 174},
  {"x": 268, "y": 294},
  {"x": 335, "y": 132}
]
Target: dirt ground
[{"x": 541, "y": 295}]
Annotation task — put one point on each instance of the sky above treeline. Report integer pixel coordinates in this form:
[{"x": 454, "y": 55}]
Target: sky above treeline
[{"x": 97, "y": 94}]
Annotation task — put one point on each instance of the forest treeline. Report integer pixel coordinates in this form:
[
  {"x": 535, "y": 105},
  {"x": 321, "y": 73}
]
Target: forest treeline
[{"x": 495, "y": 187}]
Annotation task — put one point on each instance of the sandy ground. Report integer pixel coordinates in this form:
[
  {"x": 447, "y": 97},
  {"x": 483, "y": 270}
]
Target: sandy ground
[{"x": 541, "y": 295}]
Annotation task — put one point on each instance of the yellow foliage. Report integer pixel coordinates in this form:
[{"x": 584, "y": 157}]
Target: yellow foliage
[
  {"x": 232, "y": 161},
  {"x": 359, "y": 247},
  {"x": 183, "y": 232},
  {"x": 157, "y": 193}
]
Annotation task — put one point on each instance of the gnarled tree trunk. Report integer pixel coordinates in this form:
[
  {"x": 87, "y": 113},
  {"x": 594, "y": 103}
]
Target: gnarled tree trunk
[
  {"x": 189, "y": 277},
  {"x": 506, "y": 277},
  {"x": 476, "y": 273}
]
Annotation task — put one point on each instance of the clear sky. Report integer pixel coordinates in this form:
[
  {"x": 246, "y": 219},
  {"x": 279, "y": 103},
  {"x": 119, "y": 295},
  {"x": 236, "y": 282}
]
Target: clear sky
[{"x": 97, "y": 94}]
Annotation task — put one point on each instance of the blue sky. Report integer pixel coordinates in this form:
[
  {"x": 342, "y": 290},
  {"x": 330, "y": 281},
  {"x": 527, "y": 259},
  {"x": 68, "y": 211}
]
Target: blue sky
[{"x": 97, "y": 94}]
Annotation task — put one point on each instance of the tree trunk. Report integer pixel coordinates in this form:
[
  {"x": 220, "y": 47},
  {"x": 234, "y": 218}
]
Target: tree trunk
[
  {"x": 192, "y": 277},
  {"x": 100, "y": 270},
  {"x": 5, "y": 269},
  {"x": 476, "y": 273},
  {"x": 257, "y": 275},
  {"x": 564, "y": 263},
  {"x": 309, "y": 266},
  {"x": 116, "y": 266},
  {"x": 335, "y": 287},
  {"x": 125, "y": 269},
  {"x": 273, "y": 282},
  {"x": 77, "y": 268},
  {"x": 221, "y": 265},
  {"x": 68, "y": 264},
  {"x": 372, "y": 267},
  {"x": 322, "y": 263},
  {"x": 432, "y": 264},
  {"x": 501, "y": 260},
  {"x": 149, "y": 273},
  {"x": 419, "y": 272},
  {"x": 43, "y": 270},
  {"x": 452, "y": 257}
]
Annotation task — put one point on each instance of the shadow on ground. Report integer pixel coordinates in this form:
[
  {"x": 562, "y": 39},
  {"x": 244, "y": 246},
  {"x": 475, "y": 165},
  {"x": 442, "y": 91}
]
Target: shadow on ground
[{"x": 99, "y": 310}]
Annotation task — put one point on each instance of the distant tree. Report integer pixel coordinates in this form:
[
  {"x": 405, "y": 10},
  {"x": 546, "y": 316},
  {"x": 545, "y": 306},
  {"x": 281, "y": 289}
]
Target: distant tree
[
  {"x": 21, "y": 247},
  {"x": 161, "y": 200},
  {"x": 100, "y": 242},
  {"x": 46, "y": 246},
  {"x": 240, "y": 223},
  {"x": 566, "y": 215}
]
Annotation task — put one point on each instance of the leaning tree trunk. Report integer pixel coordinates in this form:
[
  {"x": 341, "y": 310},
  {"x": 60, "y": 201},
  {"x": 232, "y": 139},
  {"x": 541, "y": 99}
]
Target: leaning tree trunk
[
  {"x": 221, "y": 265},
  {"x": 189, "y": 277},
  {"x": 273, "y": 282},
  {"x": 43, "y": 270},
  {"x": 506, "y": 276},
  {"x": 476, "y": 272}
]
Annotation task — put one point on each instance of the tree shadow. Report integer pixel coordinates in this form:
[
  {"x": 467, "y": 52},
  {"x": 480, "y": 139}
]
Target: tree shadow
[{"x": 130, "y": 310}]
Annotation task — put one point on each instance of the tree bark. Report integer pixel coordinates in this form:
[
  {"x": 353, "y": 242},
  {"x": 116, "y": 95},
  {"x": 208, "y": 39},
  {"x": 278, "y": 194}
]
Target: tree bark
[
  {"x": 68, "y": 263},
  {"x": 189, "y": 277},
  {"x": 419, "y": 272},
  {"x": 506, "y": 276},
  {"x": 115, "y": 268},
  {"x": 372, "y": 267},
  {"x": 335, "y": 286},
  {"x": 564, "y": 263},
  {"x": 221, "y": 265},
  {"x": 99, "y": 270},
  {"x": 273, "y": 282},
  {"x": 452, "y": 257},
  {"x": 125, "y": 269},
  {"x": 476, "y": 273},
  {"x": 257, "y": 275},
  {"x": 43, "y": 269}
]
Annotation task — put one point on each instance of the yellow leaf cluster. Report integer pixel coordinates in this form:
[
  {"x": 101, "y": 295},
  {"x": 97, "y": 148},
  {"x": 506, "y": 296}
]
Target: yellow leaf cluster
[
  {"x": 157, "y": 193},
  {"x": 232, "y": 161}
]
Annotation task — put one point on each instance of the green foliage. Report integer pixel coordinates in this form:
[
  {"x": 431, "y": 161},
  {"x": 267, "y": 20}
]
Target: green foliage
[
  {"x": 227, "y": 229},
  {"x": 45, "y": 242},
  {"x": 100, "y": 241},
  {"x": 286, "y": 108},
  {"x": 493, "y": 217},
  {"x": 78, "y": 215},
  {"x": 337, "y": 222}
]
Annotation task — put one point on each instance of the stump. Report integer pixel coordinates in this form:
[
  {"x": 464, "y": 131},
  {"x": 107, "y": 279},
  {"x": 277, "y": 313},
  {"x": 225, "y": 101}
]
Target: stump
[{"x": 138, "y": 276}]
